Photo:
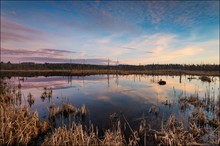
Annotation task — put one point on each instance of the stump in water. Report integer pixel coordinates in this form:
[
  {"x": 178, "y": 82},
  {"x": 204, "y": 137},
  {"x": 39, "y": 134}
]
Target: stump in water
[
  {"x": 205, "y": 79},
  {"x": 161, "y": 82}
]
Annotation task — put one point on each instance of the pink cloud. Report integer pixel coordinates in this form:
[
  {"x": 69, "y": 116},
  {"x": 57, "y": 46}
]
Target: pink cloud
[
  {"x": 46, "y": 55},
  {"x": 11, "y": 31},
  {"x": 64, "y": 60},
  {"x": 39, "y": 52}
]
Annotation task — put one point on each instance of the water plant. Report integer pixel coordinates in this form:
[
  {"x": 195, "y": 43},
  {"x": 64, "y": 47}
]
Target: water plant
[{"x": 30, "y": 99}]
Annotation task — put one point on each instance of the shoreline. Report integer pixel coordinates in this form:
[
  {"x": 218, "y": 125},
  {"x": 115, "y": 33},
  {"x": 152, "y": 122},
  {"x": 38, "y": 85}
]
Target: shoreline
[{"x": 110, "y": 72}]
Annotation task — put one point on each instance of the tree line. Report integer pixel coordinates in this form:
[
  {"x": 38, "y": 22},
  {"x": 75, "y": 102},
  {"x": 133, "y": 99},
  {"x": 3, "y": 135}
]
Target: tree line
[{"x": 72, "y": 66}]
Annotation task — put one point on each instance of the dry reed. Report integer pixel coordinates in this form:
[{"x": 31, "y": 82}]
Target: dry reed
[
  {"x": 18, "y": 126},
  {"x": 66, "y": 109},
  {"x": 30, "y": 99}
]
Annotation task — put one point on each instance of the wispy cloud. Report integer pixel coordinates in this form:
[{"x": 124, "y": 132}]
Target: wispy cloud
[
  {"x": 11, "y": 31},
  {"x": 47, "y": 55},
  {"x": 184, "y": 13},
  {"x": 57, "y": 51},
  {"x": 39, "y": 52},
  {"x": 169, "y": 48},
  {"x": 100, "y": 19},
  {"x": 155, "y": 11},
  {"x": 152, "y": 43},
  {"x": 137, "y": 50},
  {"x": 128, "y": 48},
  {"x": 65, "y": 60}
]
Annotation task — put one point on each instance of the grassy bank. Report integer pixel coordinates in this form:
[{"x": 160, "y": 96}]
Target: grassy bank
[{"x": 10, "y": 73}]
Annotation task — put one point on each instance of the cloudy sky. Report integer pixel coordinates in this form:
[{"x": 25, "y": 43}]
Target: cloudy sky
[{"x": 141, "y": 32}]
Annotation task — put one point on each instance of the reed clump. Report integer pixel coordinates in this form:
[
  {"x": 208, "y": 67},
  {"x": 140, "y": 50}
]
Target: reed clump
[
  {"x": 114, "y": 137},
  {"x": 199, "y": 116},
  {"x": 154, "y": 109},
  {"x": 83, "y": 110},
  {"x": 48, "y": 92},
  {"x": 173, "y": 133},
  {"x": 193, "y": 100},
  {"x": 76, "y": 135},
  {"x": 30, "y": 99},
  {"x": 201, "y": 129},
  {"x": 53, "y": 110},
  {"x": 72, "y": 136},
  {"x": 66, "y": 109},
  {"x": 18, "y": 126}
]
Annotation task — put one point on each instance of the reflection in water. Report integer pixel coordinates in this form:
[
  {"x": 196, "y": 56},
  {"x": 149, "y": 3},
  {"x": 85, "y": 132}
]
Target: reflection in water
[{"x": 104, "y": 95}]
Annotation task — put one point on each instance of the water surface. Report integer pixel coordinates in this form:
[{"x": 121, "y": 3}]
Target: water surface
[{"x": 103, "y": 95}]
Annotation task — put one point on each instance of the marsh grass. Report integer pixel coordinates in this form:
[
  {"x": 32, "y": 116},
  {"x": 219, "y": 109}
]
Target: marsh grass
[
  {"x": 174, "y": 133},
  {"x": 47, "y": 94},
  {"x": 18, "y": 126},
  {"x": 66, "y": 109},
  {"x": 72, "y": 136},
  {"x": 30, "y": 99},
  {"x": 76, "y": 135}
]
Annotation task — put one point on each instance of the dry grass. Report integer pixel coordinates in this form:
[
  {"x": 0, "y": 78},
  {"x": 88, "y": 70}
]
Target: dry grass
[
  {"x": 18, "y": 126},
  {"x": 66, "y": 109},
  {"x": 199, "y": 116},
  {"x": 73, "y": 136},
  {"x": 46, "y": 94},
  {"x": 76, "y": 135},
  {"x": 199, "y": 131},
  {"x": 154, "y": 109},
  {"x": 83, "y": 110},
  {"x": 53, "y": 110},
  {"x": 173, "y": 133},
  {"x": 193, "y": 100},
  {"x": 30, "y": 99}
]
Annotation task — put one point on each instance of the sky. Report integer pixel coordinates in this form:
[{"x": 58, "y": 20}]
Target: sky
[{"x": 125, "y": 32}]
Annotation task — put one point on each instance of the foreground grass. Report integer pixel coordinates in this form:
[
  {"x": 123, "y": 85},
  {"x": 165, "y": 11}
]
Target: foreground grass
[
  {"x": 77, "y": 136},
  {"x": 18, "y": 126}
]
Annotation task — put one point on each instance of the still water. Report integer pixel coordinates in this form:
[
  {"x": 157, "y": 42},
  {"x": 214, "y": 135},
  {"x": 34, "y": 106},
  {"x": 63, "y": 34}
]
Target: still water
[{"x": 103, "y": 95}]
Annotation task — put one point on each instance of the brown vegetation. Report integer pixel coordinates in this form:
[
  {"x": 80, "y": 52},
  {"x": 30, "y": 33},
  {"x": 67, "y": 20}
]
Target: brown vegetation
[
  {"x": 18, "y": 126},
  {"x": 30, "y": 99},
  {"x": 76, "y": 135}
]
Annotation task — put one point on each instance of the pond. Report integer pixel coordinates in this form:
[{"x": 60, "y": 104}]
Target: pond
[{"x": 128, "y": 95}]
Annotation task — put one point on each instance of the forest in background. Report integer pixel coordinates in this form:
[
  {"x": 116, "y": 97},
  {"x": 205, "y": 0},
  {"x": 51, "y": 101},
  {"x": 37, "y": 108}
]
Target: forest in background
[{"x": 72, "y": 66}]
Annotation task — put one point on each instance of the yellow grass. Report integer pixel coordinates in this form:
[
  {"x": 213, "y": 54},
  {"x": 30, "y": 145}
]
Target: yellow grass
[{"x": 18, "y": 126}]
